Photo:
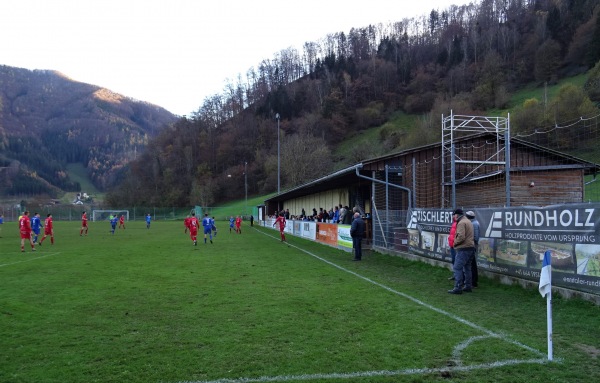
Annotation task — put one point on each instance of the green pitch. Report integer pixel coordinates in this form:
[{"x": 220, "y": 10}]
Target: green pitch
[{"x": 148, "y": 306}]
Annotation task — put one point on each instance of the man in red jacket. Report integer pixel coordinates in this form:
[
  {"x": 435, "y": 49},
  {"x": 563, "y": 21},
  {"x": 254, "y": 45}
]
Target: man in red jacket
[{"x": 451, "y": 243}]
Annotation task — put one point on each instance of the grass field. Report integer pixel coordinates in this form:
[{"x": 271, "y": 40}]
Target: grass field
[{"x": 147, "y": 306}]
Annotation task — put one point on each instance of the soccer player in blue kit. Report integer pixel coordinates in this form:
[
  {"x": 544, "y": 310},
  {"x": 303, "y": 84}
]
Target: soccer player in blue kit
[
  {"x": 36, "y": 224},
  {"x": 113, "y": 223},
  {"x": 213, "y": 226},
  {"x": 207, "y": 224},
  {"x": 148, "y": 220}
]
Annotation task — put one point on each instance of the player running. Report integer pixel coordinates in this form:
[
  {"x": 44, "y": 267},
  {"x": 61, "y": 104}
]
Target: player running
[
  {"x": 238, "y": 224},
  {"x": 25, "y": 230},
  {"x": 186, "y": 223},
  {"x": 84, "y": 224},
  {"x": 207, "y": 224},
  {"x": 281, "y": 221},
  {"x": 48, "y": 230},
  {"x": 113, "y": 223},
  {"x": 213, "y": 226},
  {"x": 122, "y": 221},
  {"x": 231, "y": 223},
  {"x": 193, "y": 226}
]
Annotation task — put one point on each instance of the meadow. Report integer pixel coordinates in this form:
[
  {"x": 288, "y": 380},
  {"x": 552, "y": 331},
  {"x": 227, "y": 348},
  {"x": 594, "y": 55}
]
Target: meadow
[{"x": 145, "y": 305}]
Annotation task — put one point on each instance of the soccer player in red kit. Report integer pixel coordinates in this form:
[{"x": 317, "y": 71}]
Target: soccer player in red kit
[
  {"x": 238, "y": 224},
  {"x": 281, "y": 221},
  {"x": 186, "y": 223},
  {"x": 193, "y": 226},
  {"x": 122, "y": 221},
  {"x": 84, "y": 224},
  {"x": 25, "y": 230},
  {"x": 48, "y": 229}
]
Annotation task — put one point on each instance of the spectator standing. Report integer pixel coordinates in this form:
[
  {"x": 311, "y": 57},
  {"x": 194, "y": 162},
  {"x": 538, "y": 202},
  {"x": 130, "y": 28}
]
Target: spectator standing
[
  {"x": 251, "y": 220},
  {"x": 464, "y": 244},
  {"x": 336, "y": 215},
  {"x": 343, "y": 213},
  {"x": 357, "y": 232},
  {"x": 451, "y": 243},
  {"x": 348, "y": 216},
  {"x": 471, "y": 216}
]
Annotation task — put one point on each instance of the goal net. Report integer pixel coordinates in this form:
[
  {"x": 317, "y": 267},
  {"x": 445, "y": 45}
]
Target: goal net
[{"x": 103, "y": 215}]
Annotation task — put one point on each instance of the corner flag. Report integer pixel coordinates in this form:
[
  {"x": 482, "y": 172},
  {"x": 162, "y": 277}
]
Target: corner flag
[
  {"x": 546, "y": 291},
  {"x": 546, "y": 275}
]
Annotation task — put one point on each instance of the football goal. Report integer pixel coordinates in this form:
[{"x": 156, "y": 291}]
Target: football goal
[{"x": 103, "y": 215}]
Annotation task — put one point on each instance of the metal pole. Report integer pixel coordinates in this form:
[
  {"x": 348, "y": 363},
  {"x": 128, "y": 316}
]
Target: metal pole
[
  {"x": 387, "y": 201},
  {"x": 278, "y": 159},
  {"x": 507, "y": 159}
]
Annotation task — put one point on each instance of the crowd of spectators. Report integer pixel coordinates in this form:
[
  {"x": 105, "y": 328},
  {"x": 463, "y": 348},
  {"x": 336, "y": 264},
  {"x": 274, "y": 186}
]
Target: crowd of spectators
[{"x": 338, "y": 214}]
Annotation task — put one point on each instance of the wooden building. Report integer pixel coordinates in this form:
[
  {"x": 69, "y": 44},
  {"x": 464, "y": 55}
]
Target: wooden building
[{"x": 423, "y": 177}]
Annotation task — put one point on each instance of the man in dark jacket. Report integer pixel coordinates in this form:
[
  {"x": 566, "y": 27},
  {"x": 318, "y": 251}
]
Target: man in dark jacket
[{"x": 357, "y": 232}]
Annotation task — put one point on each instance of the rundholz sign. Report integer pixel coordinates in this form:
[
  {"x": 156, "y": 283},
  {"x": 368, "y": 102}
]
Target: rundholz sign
[{"x": 513, "y": 241}]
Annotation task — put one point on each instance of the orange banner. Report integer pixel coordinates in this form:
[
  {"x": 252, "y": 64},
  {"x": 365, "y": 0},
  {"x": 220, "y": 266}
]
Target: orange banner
[{"x": 327, "y": 233}]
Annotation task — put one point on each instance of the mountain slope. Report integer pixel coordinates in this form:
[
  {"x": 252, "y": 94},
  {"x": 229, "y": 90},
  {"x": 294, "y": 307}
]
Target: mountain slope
[{"x": 48, "y": 120}]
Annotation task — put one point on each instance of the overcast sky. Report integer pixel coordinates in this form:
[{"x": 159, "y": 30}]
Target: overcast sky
[{"x": 175, "y": 53}]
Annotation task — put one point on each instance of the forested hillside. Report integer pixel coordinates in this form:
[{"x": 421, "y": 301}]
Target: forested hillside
[
  {"x": 468, "y": 58},
  {"x": 48, "y": 120}
]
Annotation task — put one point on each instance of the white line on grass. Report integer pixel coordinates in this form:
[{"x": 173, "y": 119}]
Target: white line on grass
[
  {"x": 420, "y": 302},
  {"x": 367, "y": 374},
  {"x": 456, "y": 354},
  {"x": 28, "y": 260}
]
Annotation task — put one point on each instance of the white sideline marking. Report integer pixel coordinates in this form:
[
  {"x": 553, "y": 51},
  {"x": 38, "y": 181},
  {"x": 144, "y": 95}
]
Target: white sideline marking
[
  {"x": 366, "y": 374},
  {"x": 28, "y": 260},
  {"x": 490, "y": 333},
  {"x": 456, "y": 353}
]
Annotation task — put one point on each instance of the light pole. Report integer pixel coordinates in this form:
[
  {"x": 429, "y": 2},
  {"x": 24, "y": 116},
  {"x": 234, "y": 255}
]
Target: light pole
[
  {"x": 246, "y": 185},
  {"x": 278, "y": 158}
]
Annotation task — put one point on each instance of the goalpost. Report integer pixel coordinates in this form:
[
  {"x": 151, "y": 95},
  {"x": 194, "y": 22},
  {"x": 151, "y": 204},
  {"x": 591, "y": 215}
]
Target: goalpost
[{"x": 102, "y": 215}]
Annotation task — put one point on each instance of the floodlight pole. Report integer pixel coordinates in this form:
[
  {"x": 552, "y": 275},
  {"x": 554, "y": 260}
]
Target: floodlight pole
[{"x": 277, "y": 116}]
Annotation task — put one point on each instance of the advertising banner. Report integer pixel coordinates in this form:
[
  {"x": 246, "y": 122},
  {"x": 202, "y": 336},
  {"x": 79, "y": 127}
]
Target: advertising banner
[
  {"x": 308, "y": 229},
  {"x": 513, "y": 241},
  {"x": 327, "y": 233},
  {"x": 344, "y": 240}
]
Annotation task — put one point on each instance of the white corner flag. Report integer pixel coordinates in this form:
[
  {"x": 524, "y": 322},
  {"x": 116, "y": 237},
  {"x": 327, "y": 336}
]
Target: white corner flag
[
  {"x": 545, "y": 289},
  {"x": 546, "y": 275}
]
